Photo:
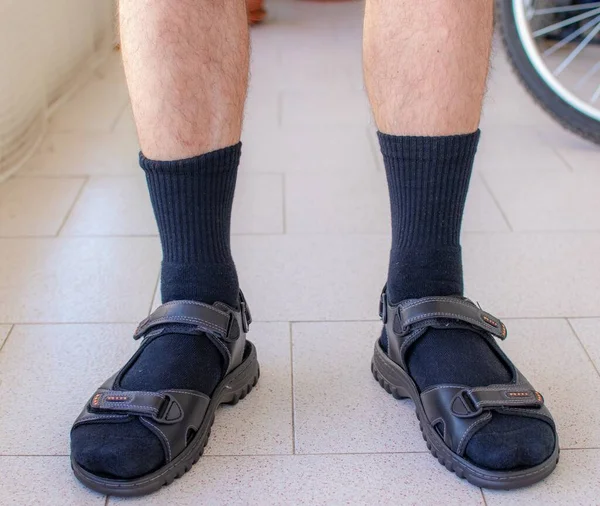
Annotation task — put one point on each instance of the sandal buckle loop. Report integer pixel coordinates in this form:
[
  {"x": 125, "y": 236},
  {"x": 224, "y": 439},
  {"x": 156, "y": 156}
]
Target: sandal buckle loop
[{"x": 169, "y": 412}]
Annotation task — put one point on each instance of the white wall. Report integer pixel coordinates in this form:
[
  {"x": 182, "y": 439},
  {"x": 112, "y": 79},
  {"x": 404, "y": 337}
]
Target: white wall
[{"x": 44, "y": 45}]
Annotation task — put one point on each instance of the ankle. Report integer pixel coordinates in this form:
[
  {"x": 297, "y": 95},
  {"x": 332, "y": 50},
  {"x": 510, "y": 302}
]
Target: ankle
[
  {"x": 201, "y": 282},
  {"x": 424, "y": 272}
]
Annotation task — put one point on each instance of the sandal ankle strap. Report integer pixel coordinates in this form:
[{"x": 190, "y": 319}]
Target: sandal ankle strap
[
  {"x": 207, "y": 318},
  {"x": 413, "y": 311}
]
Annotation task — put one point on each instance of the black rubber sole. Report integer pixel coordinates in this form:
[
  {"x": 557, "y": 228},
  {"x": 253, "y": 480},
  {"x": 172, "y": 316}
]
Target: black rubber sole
[
  {"x": 235, "y": 386},
  {"x": 400, "y": 385}
]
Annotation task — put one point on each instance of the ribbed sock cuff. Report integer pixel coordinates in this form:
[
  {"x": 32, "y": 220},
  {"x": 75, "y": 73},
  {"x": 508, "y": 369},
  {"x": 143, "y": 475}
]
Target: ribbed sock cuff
[
  {"x": 192, "y": 201},
  {"x": 415, "y": 147},
  {"x": 211, "y": 161}
]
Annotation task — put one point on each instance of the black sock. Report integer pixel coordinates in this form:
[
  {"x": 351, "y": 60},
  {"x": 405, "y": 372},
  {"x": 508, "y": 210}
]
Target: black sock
[
  {"x": 192, "y": 202},
  {"x": 428, "y": 179}
]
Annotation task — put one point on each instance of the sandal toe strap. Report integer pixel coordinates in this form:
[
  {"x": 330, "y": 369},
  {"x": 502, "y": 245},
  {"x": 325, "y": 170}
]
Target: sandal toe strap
[
  {"x": 458, "y": 412},
  {"x": 169, "y": 414},
  {"x": 161, "y": 407}
]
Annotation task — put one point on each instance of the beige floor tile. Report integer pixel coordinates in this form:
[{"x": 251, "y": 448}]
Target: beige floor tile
[
  {"x": 156, "y": 300},
  {"x": 575, "y": 481},
  {"x": 513, "y": 149},
  {"x": 262, "y": 110},
  {"x": 325, "y": 70},
  {"x": 36, "y": 207},
  {"x": 121, "y": 207},
  {"x": 482, "y": 213},
  {"x": 77, "y": 280},
  {"x": 325, "y": 109},
  {"x": 588, "y": 331},
  {"x": 125, "y": 123},
  {"x": 559, "y": 138},
  {"x": 295, "y": 278},
  {"x": 358, "y": 203},
  {"x": 43, "y": 481},
  {"x": 82, "y": 154},
  {"x": 4, "y": 331},
  {"x": 333, "y": 382},
  {"x": 534, "y": 274},
  {"x": 94, "y": 108},
  {"x": 556, "y": 201},
  {"x": 585, "y": 158},
  {"x": 262, "y": 422},
  {"x": 508, "y": 103},
  {"x": 117, "y": 206},
  {"x": 48, "y": 373},
  {"x": 304, "y": 149},
  {"x": 550, "y": 356},
  {"x": 258, "y": 204},
  {"x": 316, "y": 480},
  {"x": 316, "y": 277}
]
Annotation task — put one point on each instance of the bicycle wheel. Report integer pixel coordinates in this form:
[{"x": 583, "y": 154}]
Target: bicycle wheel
[{"x": 553, "y": 46}]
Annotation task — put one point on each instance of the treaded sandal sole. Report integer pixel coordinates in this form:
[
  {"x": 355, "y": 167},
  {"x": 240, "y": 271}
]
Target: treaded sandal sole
[
  {"x": 235, "y": 386},
  {"x": 395, "y": 381}
]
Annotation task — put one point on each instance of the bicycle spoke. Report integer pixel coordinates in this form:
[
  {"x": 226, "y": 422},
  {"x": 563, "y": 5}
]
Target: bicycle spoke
[
  {"x": 559, "y": 41},
  {"x": 566, "y": 22},
  {"x": 595, "y": 96},
  {"x": 572, "y": 36},
  {"x": 586, "y": 77},
  {"x": 567, "y": 8},
  {"x": 580, "y": 47}
]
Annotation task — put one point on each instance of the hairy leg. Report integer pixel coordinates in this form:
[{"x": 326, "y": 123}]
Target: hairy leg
[
  {"x": 186, "y": 63},
  {"x": 426, "y": 64},
  {"x": 425, "y": 70}
]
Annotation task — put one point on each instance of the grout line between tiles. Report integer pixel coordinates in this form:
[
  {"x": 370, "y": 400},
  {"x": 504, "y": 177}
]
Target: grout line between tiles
[
  {"x": 283, "y": 203},
  {"x": 50, "y": 177},
  {"x": 154, "y": 292},
  {"x": 25, "y": 324},
  {"x": 373, "y": 149},
  {"x": 564, "y": 160},
  {"x": 7, "y": 336},
  {"x": 332, "y": 235},
  {"x": 70, "y": 211},
  {"x": 495, "y": 200},
  {"x": 483, "y": 496},
  {"x": 279, "y": 108},
  {"x": 582, "y": 345},
  {"x": 310, "y": 454},
  {"x": 292, "y": 387},
  {"x": 373, "y": 320},
  {"x": 119, "y": 114},
  {"x": 248, "y": 455}
]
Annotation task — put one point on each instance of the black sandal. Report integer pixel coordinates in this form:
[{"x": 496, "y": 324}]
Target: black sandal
[
  {"x": 450, "y": 415},
  {"x": 181, "y": 419}
]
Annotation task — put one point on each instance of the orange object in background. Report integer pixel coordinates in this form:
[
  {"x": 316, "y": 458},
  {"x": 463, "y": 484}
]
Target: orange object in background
[{"x": 256, "y": 11}]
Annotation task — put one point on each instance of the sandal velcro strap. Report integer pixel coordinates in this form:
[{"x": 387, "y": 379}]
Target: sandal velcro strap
[
  {"x": 210, "y": 319},
  {"x": 161, "y": 407},
  {"x": 470, "y": 402},
  {"x": 206, "y": 318},
  {"x": 454, "y": 308},
  {"x": 458, "y": 412}
]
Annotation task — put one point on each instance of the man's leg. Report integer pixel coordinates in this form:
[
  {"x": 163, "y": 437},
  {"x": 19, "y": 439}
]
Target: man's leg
[
  {"x": 186, "y": 63},
  {"x": 425, "y": 69}
]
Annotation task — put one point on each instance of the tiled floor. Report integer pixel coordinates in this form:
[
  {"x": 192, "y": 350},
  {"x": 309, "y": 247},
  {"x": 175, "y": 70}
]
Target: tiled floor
[{"x": 79, "y": 261}]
